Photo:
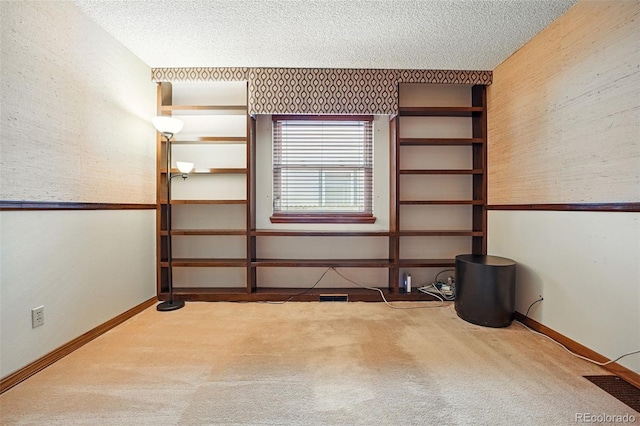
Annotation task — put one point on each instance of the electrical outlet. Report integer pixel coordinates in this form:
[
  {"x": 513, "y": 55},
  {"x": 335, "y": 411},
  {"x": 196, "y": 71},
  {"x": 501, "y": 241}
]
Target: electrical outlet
[{"x": 37, "y": 316}]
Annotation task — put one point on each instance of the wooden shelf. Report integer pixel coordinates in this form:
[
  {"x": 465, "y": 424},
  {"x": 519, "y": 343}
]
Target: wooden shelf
[
  {"x": 468, "y": 111},
  {"x": 440, "y": 202},
  {"x": 354, "y": 294},
  {"x": 229, "y": 170},
  {"x": 276, "y": 233},
  {"x": 205, "y": 232},
  {"x": 213, "y": 171},
  {"x": 204, "y": 140},
  {"x": 272, "y": 294},
  {"x": 219, "y": 290},
  {"x": 208, "y": 263},
  {"x": 441, "y": 172},
  {"x": 427, "y": 263},
  {"x": 237, "y": 109},
  {"x": 325, "y": 263},
  {"x": 207, "y": 202},
  {"x": 439, "y": 141},
  {"x": 438, "y": 233}
]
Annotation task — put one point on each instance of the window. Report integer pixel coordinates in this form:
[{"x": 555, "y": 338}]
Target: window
[{"x": 322, "y": 169}]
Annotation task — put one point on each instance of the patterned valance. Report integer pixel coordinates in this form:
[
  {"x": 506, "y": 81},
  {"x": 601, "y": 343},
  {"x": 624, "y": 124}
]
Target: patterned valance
[{"x": 322, "y": 90}]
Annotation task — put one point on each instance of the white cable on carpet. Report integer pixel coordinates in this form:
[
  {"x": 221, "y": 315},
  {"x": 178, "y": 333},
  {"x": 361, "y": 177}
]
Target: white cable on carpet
[
  {"x": 602, "y": 364},
  {"x": 384, "y": 298},
  {"x": 367, "y": 288}
]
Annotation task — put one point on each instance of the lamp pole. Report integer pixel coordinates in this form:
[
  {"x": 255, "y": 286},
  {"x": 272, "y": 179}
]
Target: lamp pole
[{"x": 171, "y": 304}]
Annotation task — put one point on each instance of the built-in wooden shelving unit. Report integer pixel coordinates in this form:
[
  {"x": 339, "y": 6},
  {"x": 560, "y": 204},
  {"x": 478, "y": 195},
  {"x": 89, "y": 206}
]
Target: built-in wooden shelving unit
[
  {"x": 217, "y": 234},
  {"x": 415, "y": 130},
  {"x": 220, "y": 121}
]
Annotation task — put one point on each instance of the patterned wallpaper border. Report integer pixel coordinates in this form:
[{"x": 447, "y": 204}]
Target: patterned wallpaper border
[{"x": 322, "y": 90}]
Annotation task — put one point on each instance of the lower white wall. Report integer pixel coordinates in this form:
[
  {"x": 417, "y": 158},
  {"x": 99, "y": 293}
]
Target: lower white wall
[
  {"x": 85, "y": 267},
  {"x": 586, "y": 265}
]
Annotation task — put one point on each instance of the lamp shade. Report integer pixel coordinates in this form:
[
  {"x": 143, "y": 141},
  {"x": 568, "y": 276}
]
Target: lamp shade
[
  {"x": 165, "y": 124},
  {"x": 184, "y": 167}
]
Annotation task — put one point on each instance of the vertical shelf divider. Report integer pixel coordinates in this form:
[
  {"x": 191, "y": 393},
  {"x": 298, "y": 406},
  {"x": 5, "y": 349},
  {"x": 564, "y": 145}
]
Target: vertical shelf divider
[
  {"x": 479, "y": 99},
  {"x": 394, "y": 214},
  {"x": 251, "y": 202},
  {"x": 164, "y": 97}
]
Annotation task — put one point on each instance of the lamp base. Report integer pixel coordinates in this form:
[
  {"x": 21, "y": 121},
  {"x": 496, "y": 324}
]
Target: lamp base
[{"x": 170, "y": 305}]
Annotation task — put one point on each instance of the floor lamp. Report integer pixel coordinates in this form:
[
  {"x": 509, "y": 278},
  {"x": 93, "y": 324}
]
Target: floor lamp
[{"x": 168, "y": 127}]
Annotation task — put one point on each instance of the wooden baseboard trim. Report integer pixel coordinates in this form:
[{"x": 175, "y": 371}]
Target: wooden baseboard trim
[
  {"x": 575, "y": 347},
  {"x": 580, "y": 207},
  {"x": 29, "y": 370},
  {"x": 64, "y": 205}
]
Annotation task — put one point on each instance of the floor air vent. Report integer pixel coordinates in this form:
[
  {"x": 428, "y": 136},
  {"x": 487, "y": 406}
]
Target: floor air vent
[
  {"x": 334, "y": 298},
  {"x": 620, "y": 389}
]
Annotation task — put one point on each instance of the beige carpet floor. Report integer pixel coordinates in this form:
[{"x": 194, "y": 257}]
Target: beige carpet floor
[{"x": 311, "y": 364}]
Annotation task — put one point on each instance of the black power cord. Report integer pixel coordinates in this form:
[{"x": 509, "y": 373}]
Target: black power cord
[
  {"x": 530, "y": 306},
  {"x": 602, "y": 364}
]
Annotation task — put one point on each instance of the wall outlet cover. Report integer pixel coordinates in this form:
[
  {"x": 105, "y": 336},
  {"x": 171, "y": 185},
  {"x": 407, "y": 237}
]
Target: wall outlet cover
[{"x": 37, "y": 316}]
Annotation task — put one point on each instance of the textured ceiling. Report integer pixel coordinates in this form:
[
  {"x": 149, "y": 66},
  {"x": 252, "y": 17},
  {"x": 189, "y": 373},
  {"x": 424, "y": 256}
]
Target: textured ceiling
[{"x": 409, "y": 34}]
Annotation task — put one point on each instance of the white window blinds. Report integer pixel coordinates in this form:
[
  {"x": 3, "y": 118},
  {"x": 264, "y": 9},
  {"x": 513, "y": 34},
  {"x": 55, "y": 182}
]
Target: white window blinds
[{"x": 322, "y": 165}]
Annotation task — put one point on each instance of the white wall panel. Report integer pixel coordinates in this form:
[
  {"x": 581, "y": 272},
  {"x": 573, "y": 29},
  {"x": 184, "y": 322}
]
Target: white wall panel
[
  {"x": 436, "y": 157},
  {"x": 210, "y": 93},
  {"x": 85, "y": 267},
  {"x": 208, "y": 216},
  {"x": 447, "y": 95},
  {"x": 208, "y": 187},
  {"x": 307, "y": 277},
  {"x": 586, "y": 265},
  {"x": 210, "y": 156},
  {"x": 210, "y": 277},
  {"x": 436, "y": 187},
  {"x": 436, "y": 127},
  {"x": 323, "y": 247},
  {"x": 196, "y": 126},
  {"x": 209, "y": 246},
  {"x": 434, "y": 247},
  {"x": 435, "y": 217}
]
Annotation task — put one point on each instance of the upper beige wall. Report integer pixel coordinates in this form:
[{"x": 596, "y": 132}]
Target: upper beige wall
[
  {"x": 75, "y": 109},
  {"x": 564, "y": 111}
]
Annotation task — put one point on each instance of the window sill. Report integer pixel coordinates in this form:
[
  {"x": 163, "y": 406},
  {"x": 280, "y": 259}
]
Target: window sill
[{"x": 322, "y": 218}]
